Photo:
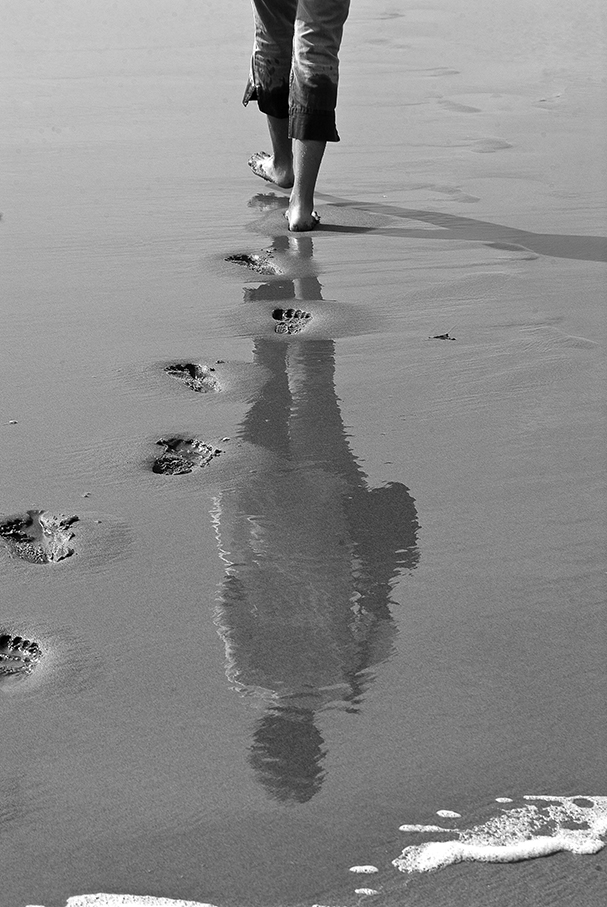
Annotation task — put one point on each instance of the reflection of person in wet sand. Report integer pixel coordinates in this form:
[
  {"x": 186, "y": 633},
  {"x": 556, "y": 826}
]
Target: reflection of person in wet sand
[{"x": 311, "y": 556}]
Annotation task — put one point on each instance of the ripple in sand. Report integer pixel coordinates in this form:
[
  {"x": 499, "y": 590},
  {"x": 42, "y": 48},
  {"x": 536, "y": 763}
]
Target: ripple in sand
[
  {"x": 458, "y": 108},
  {"x": 489, "y": 146}
]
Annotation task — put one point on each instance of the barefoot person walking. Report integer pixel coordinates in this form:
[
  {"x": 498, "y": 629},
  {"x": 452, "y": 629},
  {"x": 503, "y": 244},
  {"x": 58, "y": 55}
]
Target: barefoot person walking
[{"x": 294, "y": 76}]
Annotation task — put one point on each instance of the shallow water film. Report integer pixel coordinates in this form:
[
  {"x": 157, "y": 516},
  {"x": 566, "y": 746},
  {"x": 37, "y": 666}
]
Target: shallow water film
[{"x": 302, "y": 536}]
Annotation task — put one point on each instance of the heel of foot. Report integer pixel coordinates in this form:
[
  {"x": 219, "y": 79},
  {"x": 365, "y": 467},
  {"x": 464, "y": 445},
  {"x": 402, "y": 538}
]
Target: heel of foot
[{"x": 302, "y": 223}]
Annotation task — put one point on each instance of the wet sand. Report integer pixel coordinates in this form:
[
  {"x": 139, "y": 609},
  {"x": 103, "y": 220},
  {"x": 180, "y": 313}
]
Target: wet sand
[{"x": 384, "y": 597}]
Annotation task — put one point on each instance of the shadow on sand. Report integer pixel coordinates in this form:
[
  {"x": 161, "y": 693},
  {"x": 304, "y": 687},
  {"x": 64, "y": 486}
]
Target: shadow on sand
[{"x": 454, "y": 227}]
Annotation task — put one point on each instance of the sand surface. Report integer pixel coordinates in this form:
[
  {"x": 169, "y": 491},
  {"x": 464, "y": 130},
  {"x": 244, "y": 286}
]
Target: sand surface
[{"x": 385, "y": 596}]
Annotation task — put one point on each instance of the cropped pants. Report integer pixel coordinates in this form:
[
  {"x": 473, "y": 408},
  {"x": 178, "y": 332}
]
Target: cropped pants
[{"x": 295, "y": 66}]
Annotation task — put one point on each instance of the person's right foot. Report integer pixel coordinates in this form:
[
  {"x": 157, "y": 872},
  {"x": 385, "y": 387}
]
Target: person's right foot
[
  {"x": 262, "y": 164},
  {"x": 300, "y": 218}
]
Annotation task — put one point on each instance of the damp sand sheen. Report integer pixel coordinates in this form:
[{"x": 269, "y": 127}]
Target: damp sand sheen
[
  {"x": 544, "y": 825},
  {"x": 302, "y": 561}
]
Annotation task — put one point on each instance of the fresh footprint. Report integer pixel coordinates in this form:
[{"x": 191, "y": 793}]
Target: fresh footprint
[
  {"x": 261, "y": 263},
  {"x": 182, "y": 455},
  {"x": 290, "y": 321},
  {"x": 199, "y": 378},
  {"x": 17, "y": 655},
  {"x": 38, "y": 536}
]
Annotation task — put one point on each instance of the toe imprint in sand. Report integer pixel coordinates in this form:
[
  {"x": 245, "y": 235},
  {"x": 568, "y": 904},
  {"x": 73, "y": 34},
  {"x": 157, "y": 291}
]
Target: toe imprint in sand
[
  {"x": 182, "y": 455},
  {"x": 260, "y": 263},
  {"x": 290, "y": 321},
  {"x": 199, "y": 378},
  {"x": 38, "y": 536},
  {"x": 17, "y": 655}
]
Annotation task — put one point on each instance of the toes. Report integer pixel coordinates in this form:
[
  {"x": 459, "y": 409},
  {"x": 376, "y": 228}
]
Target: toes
[
  {"x": 256, "y": 163},
  {"x": 18, "y": 656},
  {"x": 290, "y": 321}
]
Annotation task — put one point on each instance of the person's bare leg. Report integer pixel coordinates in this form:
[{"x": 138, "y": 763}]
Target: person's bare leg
[
  {"x": 276, "y": 167},
  {"x": 307, "y": 158}
]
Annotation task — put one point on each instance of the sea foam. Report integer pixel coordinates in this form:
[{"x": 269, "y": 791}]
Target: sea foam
[
  {"x": 539, "y": 828},
  {"x": 127, "y": 900}
]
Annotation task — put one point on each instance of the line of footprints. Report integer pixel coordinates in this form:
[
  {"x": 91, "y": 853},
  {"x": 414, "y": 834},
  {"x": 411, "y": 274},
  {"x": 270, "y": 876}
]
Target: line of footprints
[{"x": 41, "y": 537}]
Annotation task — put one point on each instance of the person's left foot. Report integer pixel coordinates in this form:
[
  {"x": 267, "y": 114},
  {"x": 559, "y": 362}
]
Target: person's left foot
[{"x": 263, "y": 164}]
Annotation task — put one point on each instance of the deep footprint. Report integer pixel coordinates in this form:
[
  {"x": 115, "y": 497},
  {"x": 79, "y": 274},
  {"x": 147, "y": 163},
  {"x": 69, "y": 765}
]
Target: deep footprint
[
  {"x": 260, "y": 263},
  {"x": 17, "y": 655},
  {"x": 199, "y": 378},
  {"x": 38, "y": 537},
  {"x": 290, "y": 321},
  {"x": 182, "y": 455}
]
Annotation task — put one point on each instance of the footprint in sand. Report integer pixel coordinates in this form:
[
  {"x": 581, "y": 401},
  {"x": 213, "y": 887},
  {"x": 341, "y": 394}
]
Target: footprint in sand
[
  {"x": 268, "y": 201},
  {"x": 261, "y": 262},
  {"x": 38, "y": 536},
  {"x": 199, "y": 378},
  {"x": 290, "y": 321},
  {"x": 17, "y": 655},
  {"x": 182, "y": 455}
]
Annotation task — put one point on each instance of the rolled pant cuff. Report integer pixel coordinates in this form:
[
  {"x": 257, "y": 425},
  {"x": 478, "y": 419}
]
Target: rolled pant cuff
[
  {"x": 317, "y": 125},
  {"x": 274, "y": 103}
]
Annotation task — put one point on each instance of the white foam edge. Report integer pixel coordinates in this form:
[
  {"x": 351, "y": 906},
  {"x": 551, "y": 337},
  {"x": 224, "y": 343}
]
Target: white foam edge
[
  {"x": 438, "y": 854},
  {"x": 419, "y": 828},
  {"x": 448, "y": 814},
  {"x": 128, "y": 900}
]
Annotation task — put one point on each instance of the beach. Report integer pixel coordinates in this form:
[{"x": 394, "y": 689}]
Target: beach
[{"x": 378, "y": 594}]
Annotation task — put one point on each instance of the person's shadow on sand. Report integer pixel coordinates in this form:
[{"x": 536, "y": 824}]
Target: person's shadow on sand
[
  {"x": 451, "y": 227},
  {"x": 311, "y": 557}
]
